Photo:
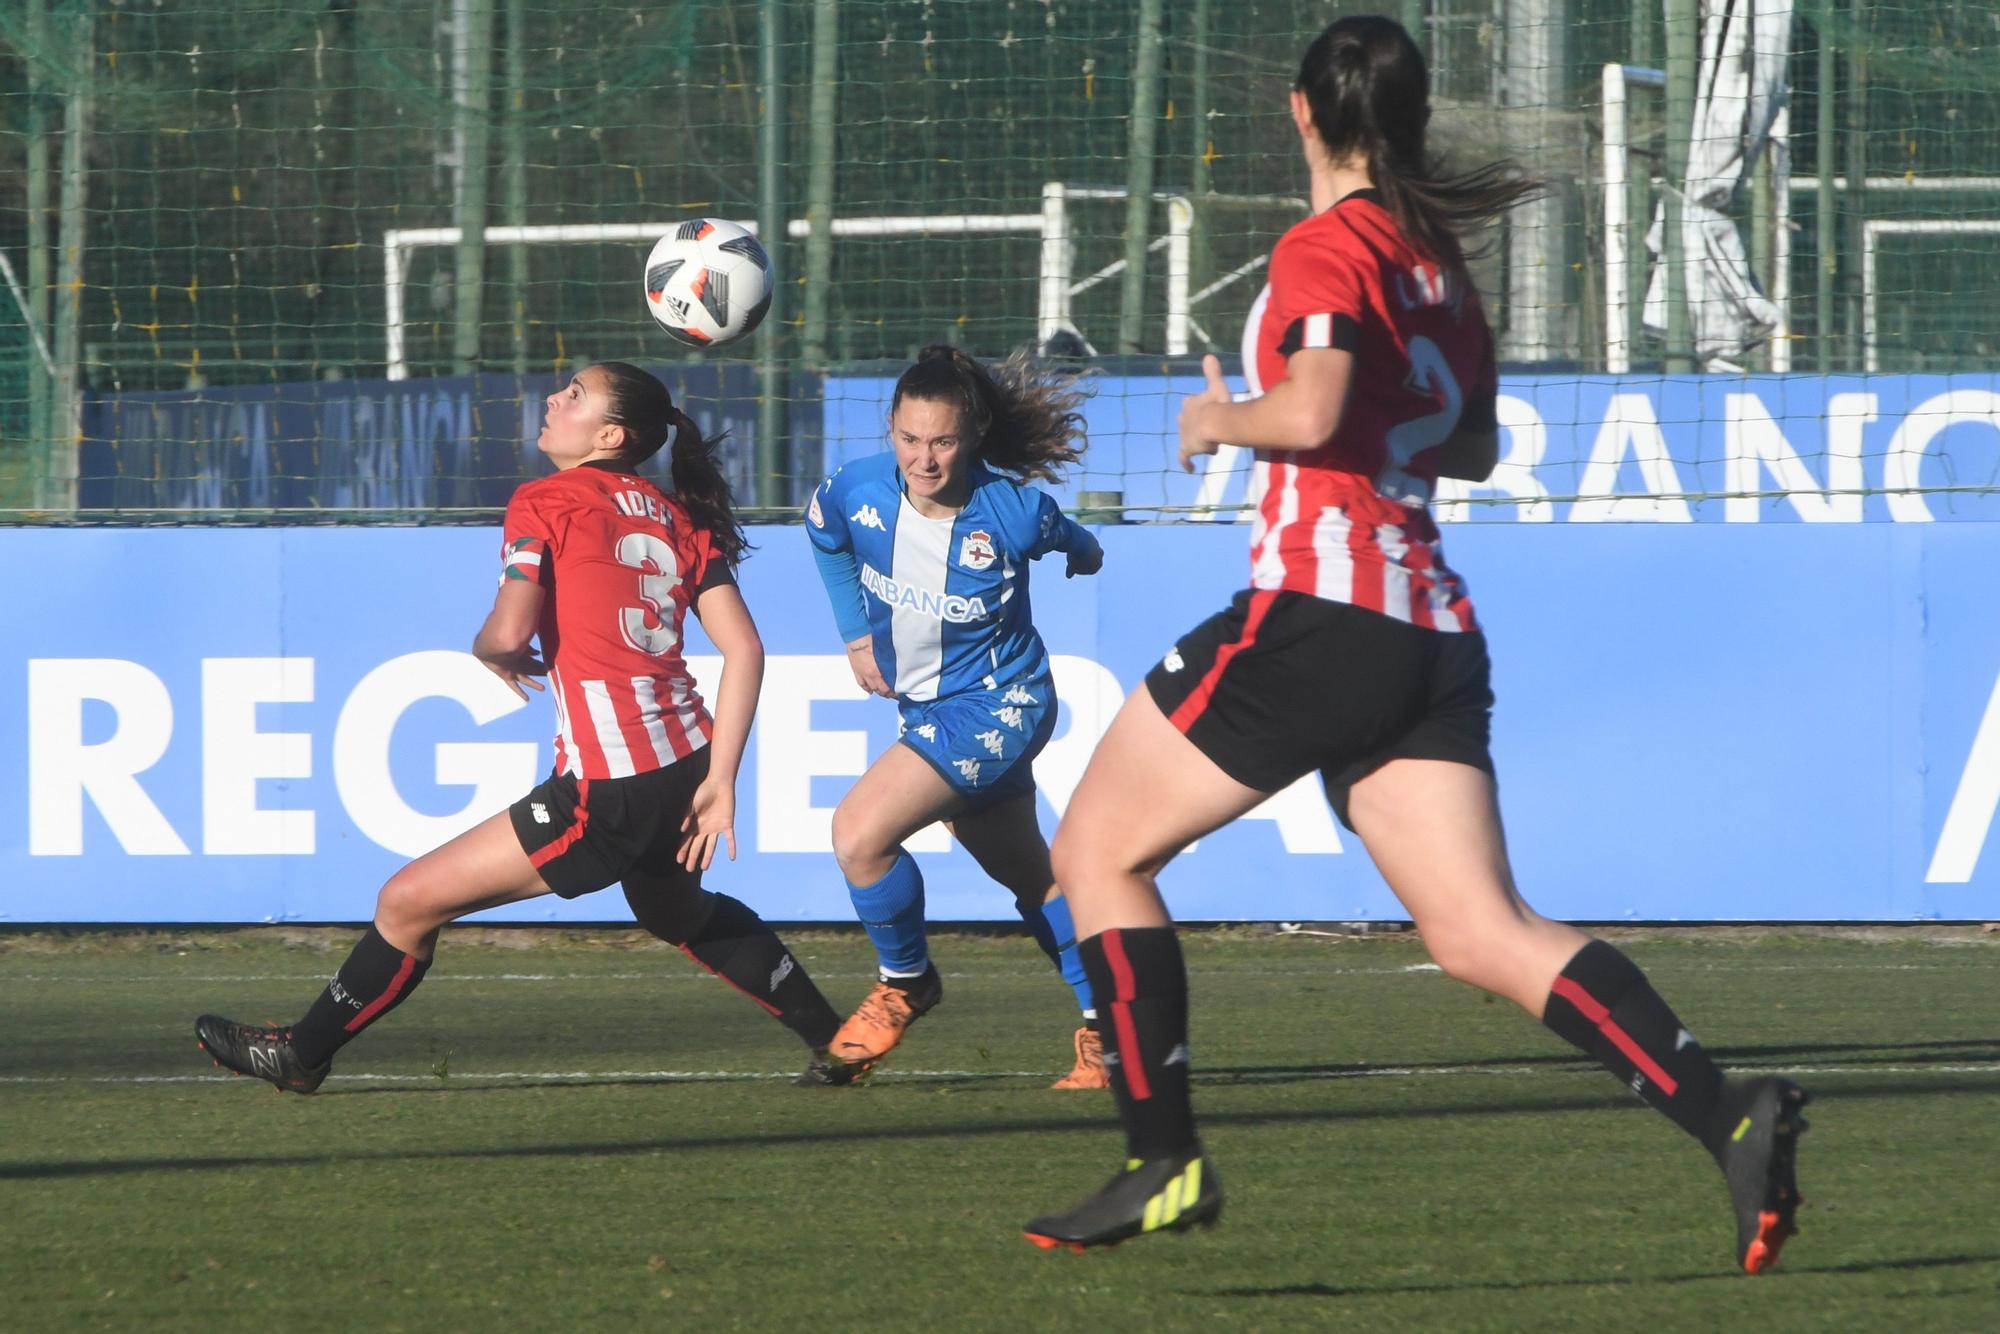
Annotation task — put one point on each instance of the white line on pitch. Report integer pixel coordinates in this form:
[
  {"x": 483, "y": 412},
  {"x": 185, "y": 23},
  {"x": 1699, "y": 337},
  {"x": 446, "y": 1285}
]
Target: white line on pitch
[{"x": 741, "y": 1076}]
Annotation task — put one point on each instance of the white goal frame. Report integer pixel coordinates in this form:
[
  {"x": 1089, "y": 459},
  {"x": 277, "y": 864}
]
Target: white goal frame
[
  {"x": 1875, "y": 227},
  {"x": 1056, "y": 289}
]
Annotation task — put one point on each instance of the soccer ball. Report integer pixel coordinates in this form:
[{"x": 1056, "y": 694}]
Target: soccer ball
[{"x": 708, "y": 282}]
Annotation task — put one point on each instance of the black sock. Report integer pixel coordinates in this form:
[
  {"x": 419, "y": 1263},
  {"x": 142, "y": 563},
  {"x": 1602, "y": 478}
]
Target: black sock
[
  {"x": 738, "y": 947},
  {"x": 1603, "y": 1004},
  {"x": 376, "y": 978},
  {"x": 1141, "y": 988},
  {"x": 921, "y": 980}
]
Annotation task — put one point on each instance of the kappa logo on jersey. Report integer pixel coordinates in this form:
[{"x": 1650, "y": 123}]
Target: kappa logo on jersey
[
  {"x": 928, "y": 731},
  {"x": 968, "y": 770},
  {"x": 539, "y": 811},
  {"x": 1019, "y": 695},
  {"x": 867, "y": 517},
  {"x": 1173, "y": 661},
  {"x": 813, "y": 514},
  {"x": 976, "y": 552},
  {"x": 993, "y": 741},
  {"x": 1009, "y": 715},
  {"x": 781, "y": 972}
]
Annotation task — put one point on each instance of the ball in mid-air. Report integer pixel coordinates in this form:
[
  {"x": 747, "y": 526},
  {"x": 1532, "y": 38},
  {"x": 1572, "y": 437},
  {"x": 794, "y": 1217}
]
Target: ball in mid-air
[{"x": 708, "y": 282}]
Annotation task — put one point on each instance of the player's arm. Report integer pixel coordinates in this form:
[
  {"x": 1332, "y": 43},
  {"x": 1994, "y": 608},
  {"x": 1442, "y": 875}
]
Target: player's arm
[
  {"x": 1301, "y": 411},
  {"x": 711, "y": 816},
  {"x": 505, "y": 642},
  {"x": 1054, "y": 531},
  {"x": 840, "y": 572}
]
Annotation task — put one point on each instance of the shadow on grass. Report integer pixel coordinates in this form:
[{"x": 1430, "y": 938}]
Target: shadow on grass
[
  {"x": 1858, "y": 1056},
  {"x": 949, "y": 1131},
  {"x": 1905, "y": 1263}
]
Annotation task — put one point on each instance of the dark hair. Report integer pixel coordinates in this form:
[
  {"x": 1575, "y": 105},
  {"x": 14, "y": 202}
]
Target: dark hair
[
  {"x": 1370, "y": 94},
  {"x": 1021, "y": 416},
  {"x": 641, "y": 404}
]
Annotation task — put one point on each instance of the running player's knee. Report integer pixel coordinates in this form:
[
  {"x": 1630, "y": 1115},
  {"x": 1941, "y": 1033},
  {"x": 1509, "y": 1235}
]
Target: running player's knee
[
  {"x": 406, "y": 905},
  {"x": 863, "y": 853},
  {"x": 1470, "y": 948},
  {"x": 1078, "y": 857}
]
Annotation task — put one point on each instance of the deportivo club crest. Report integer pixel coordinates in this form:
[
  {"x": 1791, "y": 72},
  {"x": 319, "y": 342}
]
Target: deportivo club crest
[{"x": 977, "y": 551}]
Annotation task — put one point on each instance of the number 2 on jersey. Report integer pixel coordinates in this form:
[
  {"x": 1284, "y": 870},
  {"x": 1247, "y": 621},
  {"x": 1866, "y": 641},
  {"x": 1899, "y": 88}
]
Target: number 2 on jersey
[
  {"x": 659, "y": 574},
  {"x": 1430, "y": 373}
]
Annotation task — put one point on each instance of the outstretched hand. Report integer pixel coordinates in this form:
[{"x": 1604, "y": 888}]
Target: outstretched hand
[
  {"x": 519, "y": 670},
  {"x": 1196, "y": 437},
  {"x": 710, "y": 818}
]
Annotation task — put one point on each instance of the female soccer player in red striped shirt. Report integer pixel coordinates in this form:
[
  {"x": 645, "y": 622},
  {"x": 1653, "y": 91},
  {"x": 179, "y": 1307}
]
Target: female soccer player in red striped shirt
[
  {"x": 602, "y": 567},
  {"x": 1355, "y": 653}
]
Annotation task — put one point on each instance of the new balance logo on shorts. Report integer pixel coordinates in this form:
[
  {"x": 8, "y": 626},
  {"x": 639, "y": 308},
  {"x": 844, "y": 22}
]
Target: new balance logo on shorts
[
  {"x": 539, "y": 811},
  {"x": 868, "y": 518},
  {"x": 1172, "y": 662}
]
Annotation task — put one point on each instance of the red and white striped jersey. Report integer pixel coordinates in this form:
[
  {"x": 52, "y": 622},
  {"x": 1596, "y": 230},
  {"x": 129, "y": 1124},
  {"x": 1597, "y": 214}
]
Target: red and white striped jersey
[
  {"x": 621, "y": 563},
  {"x": 1348, "y": 521}
]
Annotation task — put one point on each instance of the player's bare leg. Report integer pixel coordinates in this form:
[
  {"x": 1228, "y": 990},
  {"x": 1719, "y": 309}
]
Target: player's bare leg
[
  {"x": 899, "y": 795},
  {"x": 1006, "y": 840},
  {"x": 483, "y": 867},
  {"x": 1433, "y": 828},
  {"x": 1148, "y": 792}
]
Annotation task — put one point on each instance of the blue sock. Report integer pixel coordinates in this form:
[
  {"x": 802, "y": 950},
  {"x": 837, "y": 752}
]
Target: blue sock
[
  {"x": 1056, "y": 934},
  {"x": 892, "y": 912}
]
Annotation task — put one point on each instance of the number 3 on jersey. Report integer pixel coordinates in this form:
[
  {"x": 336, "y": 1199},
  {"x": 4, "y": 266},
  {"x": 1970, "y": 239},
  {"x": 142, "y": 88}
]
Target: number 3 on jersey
[
  {"x": 1429, "y": 374},
  {"x": 659, "y": 574}
]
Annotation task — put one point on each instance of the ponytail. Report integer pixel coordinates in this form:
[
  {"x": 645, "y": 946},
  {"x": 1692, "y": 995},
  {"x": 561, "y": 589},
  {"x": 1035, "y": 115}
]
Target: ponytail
[
  {"x": 641, "y": 404},
  {"x": 703, "y": 490},
  {"x": 1022, "y": 416}
]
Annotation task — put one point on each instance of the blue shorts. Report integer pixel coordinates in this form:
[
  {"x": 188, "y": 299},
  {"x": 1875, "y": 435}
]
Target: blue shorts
[{"x": 984, "y": 742}]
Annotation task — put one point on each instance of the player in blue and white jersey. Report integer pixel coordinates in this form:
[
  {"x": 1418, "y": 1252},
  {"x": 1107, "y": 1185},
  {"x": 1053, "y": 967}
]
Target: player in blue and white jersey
[{"x": 925, "y": 552}]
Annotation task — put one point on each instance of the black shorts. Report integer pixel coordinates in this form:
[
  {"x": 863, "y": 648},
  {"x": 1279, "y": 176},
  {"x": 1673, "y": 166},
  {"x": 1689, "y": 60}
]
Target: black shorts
[
  {"x": 583, "y": 834},
  {"x": 1285, "y": 683}
]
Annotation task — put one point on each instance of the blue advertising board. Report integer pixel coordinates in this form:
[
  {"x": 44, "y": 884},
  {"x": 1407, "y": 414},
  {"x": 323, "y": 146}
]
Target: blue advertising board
[
  {"x": 1699, "y": 721},
  {"x": 1595, "y": 448}
]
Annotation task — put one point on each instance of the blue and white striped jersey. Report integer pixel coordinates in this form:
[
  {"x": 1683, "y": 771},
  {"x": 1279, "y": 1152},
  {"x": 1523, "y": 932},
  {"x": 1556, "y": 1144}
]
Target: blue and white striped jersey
[{"x": 945, "y": 599}]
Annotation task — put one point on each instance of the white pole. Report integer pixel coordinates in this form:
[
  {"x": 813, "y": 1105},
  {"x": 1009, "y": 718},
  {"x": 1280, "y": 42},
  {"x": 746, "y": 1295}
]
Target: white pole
[
  {"x": 1052, "y": 303},
  {"x": 1180, "y": 230},
  {"x": 1617, "y": 157},
  {"x": 1780, "y": 149},
  {"x": 392, "y": 303}
]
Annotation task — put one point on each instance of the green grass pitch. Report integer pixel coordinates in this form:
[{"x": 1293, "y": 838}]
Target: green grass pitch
[{"x": 574, "y": 1129}]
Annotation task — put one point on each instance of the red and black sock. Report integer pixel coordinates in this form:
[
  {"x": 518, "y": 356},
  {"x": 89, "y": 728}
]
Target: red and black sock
[
  {"x": 376, "y": 978},
  {"x": 1603, "y": 1004},
  {"x": 1140, "y": 984},
  {"x": 741, "y": 949}
]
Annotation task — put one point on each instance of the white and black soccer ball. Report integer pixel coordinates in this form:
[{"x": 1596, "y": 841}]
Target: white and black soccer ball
[{"x": 708, "y": 282}]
